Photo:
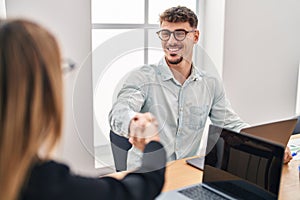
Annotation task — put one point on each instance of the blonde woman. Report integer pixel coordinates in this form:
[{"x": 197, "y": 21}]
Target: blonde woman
[{"x": 31, "y": 119}]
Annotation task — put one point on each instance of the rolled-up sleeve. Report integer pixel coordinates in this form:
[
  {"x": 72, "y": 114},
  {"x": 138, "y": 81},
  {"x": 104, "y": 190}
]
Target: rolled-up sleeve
[{"x": 222, "y": 113}]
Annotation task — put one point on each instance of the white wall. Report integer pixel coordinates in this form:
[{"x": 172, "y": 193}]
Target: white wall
[
  {"x": 212, "y": 32},
  {"x": 261, "y": 57},
  {"x": 70, "y": 22},
  {"x": 2, "y": 9}
]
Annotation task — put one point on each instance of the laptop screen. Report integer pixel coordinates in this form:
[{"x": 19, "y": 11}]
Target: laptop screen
[{"x": 242, "y": 166}]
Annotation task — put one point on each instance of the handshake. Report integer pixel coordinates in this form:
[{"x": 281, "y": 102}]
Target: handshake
[{"x": 143, "y": 128}]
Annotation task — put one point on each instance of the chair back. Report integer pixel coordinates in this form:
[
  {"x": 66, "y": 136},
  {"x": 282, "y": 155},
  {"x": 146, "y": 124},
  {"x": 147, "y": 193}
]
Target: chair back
[
  {"x": 297, "y": 128},
  {"x": 120, "y": 146}
]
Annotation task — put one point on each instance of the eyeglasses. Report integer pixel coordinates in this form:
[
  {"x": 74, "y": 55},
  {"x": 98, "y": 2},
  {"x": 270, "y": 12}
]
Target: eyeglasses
[
  {"x": 178, "y": 34},
  {"x": 68, "y": 65}
]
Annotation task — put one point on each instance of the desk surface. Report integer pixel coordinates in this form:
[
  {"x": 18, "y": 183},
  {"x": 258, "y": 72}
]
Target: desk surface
[{"x": 180, "y": 174}]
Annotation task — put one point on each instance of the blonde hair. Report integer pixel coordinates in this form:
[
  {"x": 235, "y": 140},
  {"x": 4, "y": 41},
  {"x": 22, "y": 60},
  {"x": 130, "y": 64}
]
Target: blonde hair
[{"x": 31, "y": 100}]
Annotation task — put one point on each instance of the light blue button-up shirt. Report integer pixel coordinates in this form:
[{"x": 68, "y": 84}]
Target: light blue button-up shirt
[{"x": 181, "y": 109}]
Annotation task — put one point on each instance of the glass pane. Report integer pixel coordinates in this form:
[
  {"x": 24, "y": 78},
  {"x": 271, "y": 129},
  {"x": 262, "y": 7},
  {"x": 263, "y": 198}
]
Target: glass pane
[
  {"x": 100, "y": 36},
  {"x": 155, "y": 55},
  {"x": 117, "y": 11},
  {"x": 112, "y": 58},
  {"x": 156, "y": 7},
  {"x": 155, "y": 52},
  {"x": 109, "y": 84}
]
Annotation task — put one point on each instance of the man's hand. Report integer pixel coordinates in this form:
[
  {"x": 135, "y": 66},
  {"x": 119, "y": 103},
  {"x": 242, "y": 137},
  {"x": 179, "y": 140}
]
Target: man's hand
[
  {"x": 143, "y": 128},
  {"x": 287, "y": 155}
]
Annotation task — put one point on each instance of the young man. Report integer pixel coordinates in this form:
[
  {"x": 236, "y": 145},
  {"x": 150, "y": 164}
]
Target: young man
[{"x": 178, "y": 94}]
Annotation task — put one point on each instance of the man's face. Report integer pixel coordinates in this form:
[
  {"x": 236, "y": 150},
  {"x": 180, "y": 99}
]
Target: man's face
[{"x": 176, "y": 51}]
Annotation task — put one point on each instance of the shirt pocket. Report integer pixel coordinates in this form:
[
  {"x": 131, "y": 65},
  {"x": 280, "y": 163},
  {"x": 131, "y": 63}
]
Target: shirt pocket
[{"x": 197, "y": 117}]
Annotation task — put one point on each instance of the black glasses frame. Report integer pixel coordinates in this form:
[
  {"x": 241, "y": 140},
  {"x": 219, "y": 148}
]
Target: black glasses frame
[{"x": 173, "y": 32}]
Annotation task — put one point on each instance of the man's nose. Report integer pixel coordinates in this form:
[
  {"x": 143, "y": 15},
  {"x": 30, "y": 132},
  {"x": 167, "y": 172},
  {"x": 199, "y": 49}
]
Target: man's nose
[{"x": 172, "y": 39}]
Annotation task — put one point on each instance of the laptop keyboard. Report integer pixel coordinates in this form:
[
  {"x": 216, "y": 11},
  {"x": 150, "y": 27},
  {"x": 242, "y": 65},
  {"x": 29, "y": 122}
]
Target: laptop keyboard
[{"x": 198, "y": 192}]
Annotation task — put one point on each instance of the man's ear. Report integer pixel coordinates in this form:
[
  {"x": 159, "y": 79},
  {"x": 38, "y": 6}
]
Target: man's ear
[{"x": 196, "y": 36}]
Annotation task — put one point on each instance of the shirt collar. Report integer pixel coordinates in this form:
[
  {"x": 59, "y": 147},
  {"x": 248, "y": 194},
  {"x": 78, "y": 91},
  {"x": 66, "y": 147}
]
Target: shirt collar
[{"x": 196, "y": 74}]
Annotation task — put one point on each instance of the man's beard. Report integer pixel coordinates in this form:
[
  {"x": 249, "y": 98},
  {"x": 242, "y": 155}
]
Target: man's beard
[{"x": 175, "y": 62}]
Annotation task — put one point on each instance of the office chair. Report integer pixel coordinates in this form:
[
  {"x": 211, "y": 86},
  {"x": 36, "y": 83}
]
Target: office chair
[
  {"x": 120, "y": 146},
  {"x": 297, "y": 128}
]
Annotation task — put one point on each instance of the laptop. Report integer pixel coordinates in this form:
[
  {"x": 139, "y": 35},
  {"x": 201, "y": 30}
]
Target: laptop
[
  {"x": 278, "y": 131},
  {"x": 236, "y": 166},
  {"x": 197, "y": 162}
]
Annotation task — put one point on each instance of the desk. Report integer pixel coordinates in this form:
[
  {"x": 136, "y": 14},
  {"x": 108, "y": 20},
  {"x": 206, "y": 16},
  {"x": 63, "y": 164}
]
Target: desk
[{"x": 180, "y": 174}]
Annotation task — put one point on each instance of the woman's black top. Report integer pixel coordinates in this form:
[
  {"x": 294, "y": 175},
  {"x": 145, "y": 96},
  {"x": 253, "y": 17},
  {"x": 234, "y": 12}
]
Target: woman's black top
[{"x": 52, "y": 180}]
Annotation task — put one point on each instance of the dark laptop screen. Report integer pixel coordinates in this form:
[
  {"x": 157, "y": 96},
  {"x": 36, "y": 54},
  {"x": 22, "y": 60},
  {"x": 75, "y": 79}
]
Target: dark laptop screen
[{"x": 241, "y": 165}]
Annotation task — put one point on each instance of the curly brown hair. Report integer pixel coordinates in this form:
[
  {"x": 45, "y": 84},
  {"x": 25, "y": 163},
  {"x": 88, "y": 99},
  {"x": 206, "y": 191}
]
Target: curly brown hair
[{"x": 179, "y": 14}]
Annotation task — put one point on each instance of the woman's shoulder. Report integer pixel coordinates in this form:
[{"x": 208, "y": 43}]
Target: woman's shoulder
[{"x": 48, "y": 172}]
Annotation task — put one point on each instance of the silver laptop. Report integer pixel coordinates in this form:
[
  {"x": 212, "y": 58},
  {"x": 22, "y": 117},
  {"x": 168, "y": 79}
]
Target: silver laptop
[
  {"x": 197, "y": 162},
  {"x": 236, "y": 166}
]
